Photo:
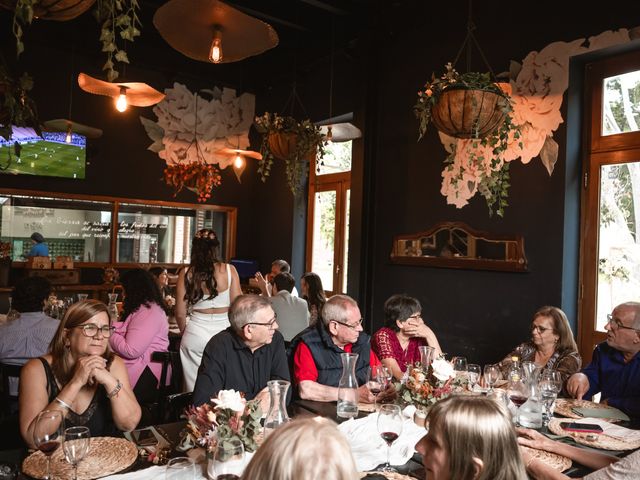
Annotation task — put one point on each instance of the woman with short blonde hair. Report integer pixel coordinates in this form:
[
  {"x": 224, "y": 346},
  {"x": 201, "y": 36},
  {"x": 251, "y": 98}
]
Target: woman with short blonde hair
[
  {"x": 471, "y": 438},
  {"x": 310, "y": 449}
]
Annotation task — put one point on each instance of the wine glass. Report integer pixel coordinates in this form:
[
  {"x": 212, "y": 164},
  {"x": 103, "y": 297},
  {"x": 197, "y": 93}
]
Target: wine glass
[
  {"x": 47, "y": 434},
  {"x": 179, "y": 468},
  {"x": 550, "y": 385},
  {"x": 76, "y": 446},
  {"x": 427, "y": 354},
  {"x": 373, "y": 383},
  {"x": 228, "y": 460},
  {"x": 473, "y": 373},
  {"x": 389, "y": 427},
  {"x": 491, "y": 375}
]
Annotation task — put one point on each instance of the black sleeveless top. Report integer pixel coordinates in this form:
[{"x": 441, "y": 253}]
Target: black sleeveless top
[{"x": 97, "y": 417}]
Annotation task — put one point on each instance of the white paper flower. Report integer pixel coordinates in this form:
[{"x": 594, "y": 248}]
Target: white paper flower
[
  {"x": 230, "y": 399},
  {"x": 442, "y": 369}
]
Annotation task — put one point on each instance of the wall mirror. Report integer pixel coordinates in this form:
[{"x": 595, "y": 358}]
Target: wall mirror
[{"x": 456, "y": 245}]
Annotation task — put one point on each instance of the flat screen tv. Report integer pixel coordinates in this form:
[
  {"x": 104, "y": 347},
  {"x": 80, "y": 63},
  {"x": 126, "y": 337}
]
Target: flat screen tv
[
  {"x": 246, "y": 268},
  {"x": 28, "y": 154}
]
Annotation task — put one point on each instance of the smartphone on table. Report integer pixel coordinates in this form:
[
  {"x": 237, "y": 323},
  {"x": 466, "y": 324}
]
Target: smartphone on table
[{"x": 582, "y": 427}]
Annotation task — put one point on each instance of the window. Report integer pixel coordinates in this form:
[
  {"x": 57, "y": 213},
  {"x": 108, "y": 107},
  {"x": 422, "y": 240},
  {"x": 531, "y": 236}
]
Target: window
[
  {"x": 328, "y": 217},
  {"x": 610, "y": 224}
]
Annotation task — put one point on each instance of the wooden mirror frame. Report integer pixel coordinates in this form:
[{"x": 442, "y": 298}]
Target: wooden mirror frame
[{"x": 514, "y": 256}]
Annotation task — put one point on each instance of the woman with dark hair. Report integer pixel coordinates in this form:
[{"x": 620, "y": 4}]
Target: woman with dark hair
[
  {"x": 313, "y": 293},
  {"x": 205, "y": 291},
  {"x": 145, "y": 330},
  {"x": 80, "y": 374},
  {"x": 551, "y": 346},
  {"x": 397, "y": 343}
]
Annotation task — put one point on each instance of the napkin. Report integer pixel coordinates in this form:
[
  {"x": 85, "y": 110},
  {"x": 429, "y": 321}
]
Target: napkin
[
  {"x": 368, "y": 448},
  {"x": 616, "y": 431},
  {"x": 610, "y": 412},
  {"x": 151, "y": 473}
]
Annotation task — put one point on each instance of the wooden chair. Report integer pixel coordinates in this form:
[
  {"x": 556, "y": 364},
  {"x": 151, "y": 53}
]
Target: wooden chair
[{"x": 172, "y": 360}]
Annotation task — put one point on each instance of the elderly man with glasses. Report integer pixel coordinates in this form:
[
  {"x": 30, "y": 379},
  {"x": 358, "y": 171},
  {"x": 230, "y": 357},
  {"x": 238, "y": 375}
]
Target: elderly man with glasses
[
  {"x": 615, "y": 366},
  {"x": 317, "y": 365},
  {"x": 245, "y": 356}
]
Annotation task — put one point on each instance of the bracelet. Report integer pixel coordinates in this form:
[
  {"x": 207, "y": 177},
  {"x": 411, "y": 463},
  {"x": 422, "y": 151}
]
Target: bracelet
[
  {"x": 115, "y": 391},
  {"x": 62, "y": 403}
]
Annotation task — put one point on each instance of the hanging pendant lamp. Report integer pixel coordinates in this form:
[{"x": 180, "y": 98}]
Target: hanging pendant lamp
[{"x": 137, "y": 94}]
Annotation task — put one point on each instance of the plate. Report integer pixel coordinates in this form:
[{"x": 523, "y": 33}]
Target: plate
[
  {"x": 553, "y": 460},
  {"x": 563, "y": 407},
  {"x": 601, "y": 440},
  {"x": 107, "y": 455}
]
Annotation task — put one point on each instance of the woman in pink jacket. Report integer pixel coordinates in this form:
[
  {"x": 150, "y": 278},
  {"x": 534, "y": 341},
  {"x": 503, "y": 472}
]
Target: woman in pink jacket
[{"x": 144, "y": 330}]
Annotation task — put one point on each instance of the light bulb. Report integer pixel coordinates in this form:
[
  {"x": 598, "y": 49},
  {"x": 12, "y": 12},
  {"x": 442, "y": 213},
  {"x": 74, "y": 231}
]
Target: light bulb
[
  {"x": 121, "y": 102},
  {"x": 215, "y": 53},
  {"x": 238, "y": 162},
  {"x": 67, "y": 139}
]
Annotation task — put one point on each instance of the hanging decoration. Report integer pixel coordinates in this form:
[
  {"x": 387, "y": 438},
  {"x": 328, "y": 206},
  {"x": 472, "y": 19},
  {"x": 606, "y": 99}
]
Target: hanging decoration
[
  {"x": 137, "y": 94},
  {"x": 198, "y": 136}
]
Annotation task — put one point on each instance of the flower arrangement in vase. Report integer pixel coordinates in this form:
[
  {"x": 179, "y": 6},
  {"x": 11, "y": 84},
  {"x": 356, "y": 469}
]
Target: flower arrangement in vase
[
  {"x": 227, "y": 417},
  {"x": 476, "y": 113},
  {"x": 292, "y": 141},
  {"x": 199, "y": 177},
  {"x": 423, "y": 388}
]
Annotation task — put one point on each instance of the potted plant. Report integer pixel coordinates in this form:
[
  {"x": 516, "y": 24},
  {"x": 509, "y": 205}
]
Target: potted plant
[
  {"x": 16, "y": 107},
  {"x": 477, "y": 112},
  {"x": 295, "y": 142}
]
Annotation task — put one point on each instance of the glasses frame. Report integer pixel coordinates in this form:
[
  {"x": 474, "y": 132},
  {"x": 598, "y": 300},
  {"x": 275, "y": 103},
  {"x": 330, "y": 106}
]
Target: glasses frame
[
  {"x": 540, "y": 329},
  {"x": 359, "y": 324},
  {"x": 84, "y": 326},
  {"x": 268, "y": 324},
  {"x": 611, "y": 321}
]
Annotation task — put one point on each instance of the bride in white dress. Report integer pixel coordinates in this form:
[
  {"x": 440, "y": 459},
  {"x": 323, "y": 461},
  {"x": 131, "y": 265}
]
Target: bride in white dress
[{"x": 204, "y": 292}]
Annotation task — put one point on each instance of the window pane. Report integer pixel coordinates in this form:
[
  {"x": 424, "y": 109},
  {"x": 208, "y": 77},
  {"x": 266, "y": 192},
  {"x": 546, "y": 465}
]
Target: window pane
[
  {"x": 324, "y": 223},
  {"x": 618, "y": 243},
  {"x": 345, "y": 258},
  {"x": 337, "y": 158},
  {"x": 80, "y": 229},
  {"x": 621, "y": 103}
]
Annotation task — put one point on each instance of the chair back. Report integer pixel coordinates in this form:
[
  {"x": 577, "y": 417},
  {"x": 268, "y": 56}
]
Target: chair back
[
  {"x": 168, "y": 360},
  {"x": 8, "y": 402},
  {"x": 177, "y": 404}
]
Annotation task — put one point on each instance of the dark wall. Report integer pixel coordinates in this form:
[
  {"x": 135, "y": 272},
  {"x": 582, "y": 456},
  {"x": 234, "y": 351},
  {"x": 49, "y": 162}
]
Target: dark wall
[{"x": 479, "y": 314}]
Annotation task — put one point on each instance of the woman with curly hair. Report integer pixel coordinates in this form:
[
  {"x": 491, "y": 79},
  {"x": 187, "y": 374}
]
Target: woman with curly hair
[
  {"x": 205, "y": 291},
  {"x": 143, "y": 331},
  {"x": 313, "y": 293}
]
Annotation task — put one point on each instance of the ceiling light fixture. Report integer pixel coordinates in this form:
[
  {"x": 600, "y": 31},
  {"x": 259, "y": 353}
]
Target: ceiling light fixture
[
  {"x": 137, "y": 94},
  {"x": 121, "y": 101},
  {"x": 215, "y": 55}
]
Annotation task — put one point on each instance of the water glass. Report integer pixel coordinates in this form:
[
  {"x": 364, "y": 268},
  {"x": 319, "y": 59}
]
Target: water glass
[
  {"x": 180, "y": 468},
  {"x": 491, "y": 375},
  {"x": 427, "y": 355},
  {"x": 228, "y": 460},
  {"x": 474, "y": 371},
  {"x": 76, "y": 446},
  {"x": 459, "y": 364}
]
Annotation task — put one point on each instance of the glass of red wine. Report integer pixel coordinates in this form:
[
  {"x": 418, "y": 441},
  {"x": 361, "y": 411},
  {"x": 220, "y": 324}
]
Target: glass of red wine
[
  {"x": 389, "y": 427},
  {"x": 374, "y": 383},
  {"x": 47, "y": 434}
]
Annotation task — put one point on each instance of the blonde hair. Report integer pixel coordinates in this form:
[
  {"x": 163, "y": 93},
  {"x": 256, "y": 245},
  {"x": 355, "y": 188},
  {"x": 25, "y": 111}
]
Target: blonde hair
[
  {"x": 77, "y": 314},
  {"x": 477, "y": 427},
  {"x": 310, "y": 449}
]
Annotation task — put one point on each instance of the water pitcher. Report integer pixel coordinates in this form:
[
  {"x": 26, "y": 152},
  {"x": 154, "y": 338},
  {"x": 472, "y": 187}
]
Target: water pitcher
[
  {"x": 278, "y": 405},
  {"x": 530, "y": 413},
  {"x": 348, "y": 387}
]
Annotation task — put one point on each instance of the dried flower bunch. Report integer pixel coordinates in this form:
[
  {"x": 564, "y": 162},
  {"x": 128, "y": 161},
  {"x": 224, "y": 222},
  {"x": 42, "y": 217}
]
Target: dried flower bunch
[
  {"x": 227, "y": 417},
  {"x": 424, "y": 388},
  {"x": 302, "y": 140},
  {"x": 199, "y": 177}
]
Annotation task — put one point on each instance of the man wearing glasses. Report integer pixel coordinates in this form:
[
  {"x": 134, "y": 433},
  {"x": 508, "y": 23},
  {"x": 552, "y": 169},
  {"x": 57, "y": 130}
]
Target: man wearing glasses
[
  {"x": 317, "y": 365},
  {"x": 245, "y": 356},
  {"x": 615, "y": 367}
]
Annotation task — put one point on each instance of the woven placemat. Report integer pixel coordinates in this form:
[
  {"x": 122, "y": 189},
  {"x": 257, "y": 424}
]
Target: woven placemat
[
  {"x": 389, "y": 475},
  {"x": 555, "y": 461},
  {"x": 107, "y": 455},
  {"x": 598, "y": 440},
  {"x": 563, "y": 407}
]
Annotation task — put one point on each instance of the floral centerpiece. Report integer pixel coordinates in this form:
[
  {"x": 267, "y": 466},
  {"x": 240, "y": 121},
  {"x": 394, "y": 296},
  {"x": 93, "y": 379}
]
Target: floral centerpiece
[
  {"x": 292, "y": 141},
  {"x": 227, "y": 417},
  {"x": 198, "y": 177},
  {"x": 477, "y": 155},
  {"x": 424, "y": 388}
]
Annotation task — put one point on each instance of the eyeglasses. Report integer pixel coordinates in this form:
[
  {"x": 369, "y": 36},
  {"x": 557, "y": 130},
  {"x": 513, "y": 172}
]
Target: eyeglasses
[
  {"x": 268, "y": 324},
  {"x": 415, "y": 316},
  {"x": 348, "y": 324},
  {"x": 91, "y": 330},
  {"x": 539, "y": 329},
  {"x": 616, "y": 324}
]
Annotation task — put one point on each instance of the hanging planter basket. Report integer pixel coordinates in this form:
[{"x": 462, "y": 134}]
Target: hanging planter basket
[
  {"x": 59, "y": 10},
  {"x": 469, "y": 113},
  {"x": 283, "y": 146}
]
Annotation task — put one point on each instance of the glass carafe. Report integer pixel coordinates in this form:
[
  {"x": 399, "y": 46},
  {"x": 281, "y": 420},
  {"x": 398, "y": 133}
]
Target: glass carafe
[
  {"x": 530, "y": 413},
  {"x": 112, "y": 308},
  {"x": 348, "y": 387},
  {"x": 278, "y": 405}
]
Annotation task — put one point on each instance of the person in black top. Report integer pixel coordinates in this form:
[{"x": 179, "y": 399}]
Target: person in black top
[{"x": 245, "y": 356}]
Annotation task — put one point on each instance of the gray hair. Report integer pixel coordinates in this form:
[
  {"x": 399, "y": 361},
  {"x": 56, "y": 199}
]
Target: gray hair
[
  {"x": 635, "y": 306},
  {"x": 336, "y": 309},
  {"x": 243, "y": 308},
  {"x": 282, "y": 265}
]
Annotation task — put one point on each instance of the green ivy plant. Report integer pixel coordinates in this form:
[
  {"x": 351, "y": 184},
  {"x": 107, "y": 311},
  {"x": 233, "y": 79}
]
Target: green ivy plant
[
  {"x": 309, "y": 138},
  {"x": 16, "y": 107},
  {"x": 22, "y": 16},
  {"x": 119, "y": 21}
]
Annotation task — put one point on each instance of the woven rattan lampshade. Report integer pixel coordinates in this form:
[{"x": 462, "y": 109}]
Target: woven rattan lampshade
[
  {"x": 59, "y": 10},
  {"x": 189, "y": 26},
  {"x": 468, "y": 113},
  {"x": 138, "y": 94},
  {"x": 62, "y": 125}
]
